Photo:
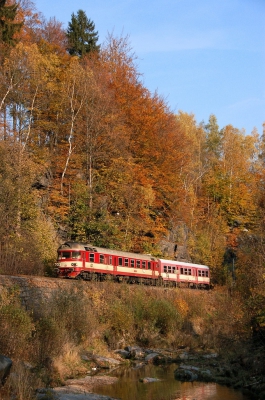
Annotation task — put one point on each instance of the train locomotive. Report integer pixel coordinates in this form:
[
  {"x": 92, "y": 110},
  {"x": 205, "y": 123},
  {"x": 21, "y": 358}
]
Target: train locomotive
[{"x": 87, "y": 262}]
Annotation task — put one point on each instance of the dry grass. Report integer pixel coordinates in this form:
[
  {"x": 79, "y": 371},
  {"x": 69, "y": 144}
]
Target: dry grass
[{"x": 68, "y": 364}]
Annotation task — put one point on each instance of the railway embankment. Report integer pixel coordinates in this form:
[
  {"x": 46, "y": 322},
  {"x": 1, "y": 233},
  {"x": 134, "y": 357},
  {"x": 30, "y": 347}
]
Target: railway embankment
[{"x": 33, "y": 291}]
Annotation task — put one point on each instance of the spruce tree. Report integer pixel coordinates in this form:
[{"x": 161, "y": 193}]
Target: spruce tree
[
  {"x": 81, "y": 34},
  {"x": 8, "y": 27}
]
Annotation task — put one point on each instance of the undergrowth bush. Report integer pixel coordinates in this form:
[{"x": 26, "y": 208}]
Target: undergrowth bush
[
  {"x": 66, "y": 317},
  {"x": 16, "y": 325},
  {"x": 21, "y": 383}
]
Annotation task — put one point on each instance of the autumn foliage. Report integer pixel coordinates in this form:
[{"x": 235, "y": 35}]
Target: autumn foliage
[{"x": 88, "y": 153}]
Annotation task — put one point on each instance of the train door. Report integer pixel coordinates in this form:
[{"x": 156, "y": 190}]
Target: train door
[
  {"x": 115, "y": 263},
  {"x": 83, "y": 259},
  {"x": 196, "y": 276}
]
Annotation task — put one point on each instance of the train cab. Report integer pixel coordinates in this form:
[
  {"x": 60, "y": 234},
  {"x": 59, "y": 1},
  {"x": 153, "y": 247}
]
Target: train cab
[{"x": 70, "y": 260}]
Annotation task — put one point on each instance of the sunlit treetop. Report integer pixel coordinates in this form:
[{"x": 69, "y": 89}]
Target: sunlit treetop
[{"x": 81, "y": 34}]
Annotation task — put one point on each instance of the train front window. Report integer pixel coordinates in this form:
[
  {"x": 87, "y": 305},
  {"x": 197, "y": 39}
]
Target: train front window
[
  {"x": 65, "y": 254},
  {"x": 76, "y": 254}
]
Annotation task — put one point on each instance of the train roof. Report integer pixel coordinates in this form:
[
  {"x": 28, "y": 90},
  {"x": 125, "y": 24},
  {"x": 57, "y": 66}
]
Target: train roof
[
  {"x": 90, "y": 247},
  {"x": 183, "y": 264},
  {"x": 74, "y": 245}
]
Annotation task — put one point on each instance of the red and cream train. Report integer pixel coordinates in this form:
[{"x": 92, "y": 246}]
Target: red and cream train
[{"x": 85, "y": 261}]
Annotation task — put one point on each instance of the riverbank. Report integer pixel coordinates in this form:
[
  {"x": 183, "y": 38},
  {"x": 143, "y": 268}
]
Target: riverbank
[
  {"x": 242, "y": 369},
  {"x": 54, "y": 329}
]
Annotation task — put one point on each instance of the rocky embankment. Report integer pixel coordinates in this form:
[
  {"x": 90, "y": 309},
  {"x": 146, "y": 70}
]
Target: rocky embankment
[{"x": 244, "y": 371}]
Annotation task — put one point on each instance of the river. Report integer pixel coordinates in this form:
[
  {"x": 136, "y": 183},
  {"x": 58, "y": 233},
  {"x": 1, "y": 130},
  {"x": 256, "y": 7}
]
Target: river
[{"x": 130, "y": 387}]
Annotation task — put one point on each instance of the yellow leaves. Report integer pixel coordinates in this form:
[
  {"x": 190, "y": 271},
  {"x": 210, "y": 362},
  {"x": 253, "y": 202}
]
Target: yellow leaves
[
  {"x": 181, "y": 306},
  {"x": 99, "y": 301}
]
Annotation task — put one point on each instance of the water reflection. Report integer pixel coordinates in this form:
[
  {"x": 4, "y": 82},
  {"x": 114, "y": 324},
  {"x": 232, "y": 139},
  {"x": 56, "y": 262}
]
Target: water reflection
[
  {"x": 129, "y": 386},
  {"x": 207, "y": 391}
]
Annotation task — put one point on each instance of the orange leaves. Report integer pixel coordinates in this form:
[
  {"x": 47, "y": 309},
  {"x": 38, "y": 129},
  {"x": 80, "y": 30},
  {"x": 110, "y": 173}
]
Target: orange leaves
[{"x": 145, "y": 173}]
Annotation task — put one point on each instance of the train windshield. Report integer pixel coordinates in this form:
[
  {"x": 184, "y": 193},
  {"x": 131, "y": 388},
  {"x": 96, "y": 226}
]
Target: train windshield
[
  {"x": 76, "y": 254},
  {"x": 69, "y": 254}
]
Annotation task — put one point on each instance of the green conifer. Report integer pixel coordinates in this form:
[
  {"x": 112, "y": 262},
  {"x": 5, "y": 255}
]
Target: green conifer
[
  {"x": 82, "y": 37},
  {"x": 8, "y": 27}
]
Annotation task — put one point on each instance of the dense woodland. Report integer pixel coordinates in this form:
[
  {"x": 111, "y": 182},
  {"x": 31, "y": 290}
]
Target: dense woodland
[{"x": 88, "y": 153}]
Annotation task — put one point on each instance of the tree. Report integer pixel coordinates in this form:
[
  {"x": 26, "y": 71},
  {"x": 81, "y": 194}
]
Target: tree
[
  {"x": 213, "y": 138},
  {"x": 8, "y": 27},
  {"x": 81, "y": 35},
  {"x": 51, "y": 37}
]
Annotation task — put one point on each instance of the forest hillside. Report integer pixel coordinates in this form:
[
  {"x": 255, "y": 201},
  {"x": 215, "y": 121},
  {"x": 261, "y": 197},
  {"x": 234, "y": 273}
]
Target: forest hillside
[{"x": 87, "y": 153}]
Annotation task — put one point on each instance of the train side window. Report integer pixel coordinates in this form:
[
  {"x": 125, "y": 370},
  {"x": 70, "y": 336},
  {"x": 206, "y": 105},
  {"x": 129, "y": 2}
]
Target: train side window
[
  {"x": 138, "y": 263},
  {"x": 126, "y": 262},
  {"x": 187, "y": 271},
  {"x": 110, "y": 260},
  {"x": 91, "y": 257},
  {"x": 181, "y": 271},
  {"x": 199, "y": 273},
  {"x": 120, "y": 261},
  {"x": 132, "y": 263},
  {"x": 174, "y": 270},
  {"x": 101, "y": 258},
  {"x": 207, "y": 273},
  {"x": 169, "y": 269},
  {"x": 165, "y": 268},
  {"x": 149, "y": 264},
  {"x": 143, "y": 264}
]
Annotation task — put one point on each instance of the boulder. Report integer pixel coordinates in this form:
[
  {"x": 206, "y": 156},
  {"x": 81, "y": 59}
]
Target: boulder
[
  {"x": 105, "y": 362},
  {"x": 5, "y": 367},
  {"x": 135, "y": 353},
  {"x": 149, "y": 380},
  {"x": 151, "y": 357},
  {"x": 190, "y": 373},
  {"x": 122, "y": 353},
  {"x": 185, "y": 375}
]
